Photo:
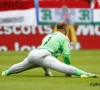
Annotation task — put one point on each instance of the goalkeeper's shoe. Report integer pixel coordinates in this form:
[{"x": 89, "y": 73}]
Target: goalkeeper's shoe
[
  {"x": 5, "y": 73},
  {"x": 89, "y": 75},
  {"x": 48, "y": 74}
]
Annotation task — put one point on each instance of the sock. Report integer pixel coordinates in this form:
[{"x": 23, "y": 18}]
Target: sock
[
  {"x": 44, "y": 68},
  {"x": 7, "y": 72},
  {"x": 47, "y": 70},
  {"x": 79, "y": 72}
]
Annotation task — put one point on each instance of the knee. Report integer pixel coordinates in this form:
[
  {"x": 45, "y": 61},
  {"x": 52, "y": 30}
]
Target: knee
[{"x": 31, "y": 56}]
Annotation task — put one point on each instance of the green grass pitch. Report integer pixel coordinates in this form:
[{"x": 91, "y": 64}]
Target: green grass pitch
[{"x": 34, "y": 79}]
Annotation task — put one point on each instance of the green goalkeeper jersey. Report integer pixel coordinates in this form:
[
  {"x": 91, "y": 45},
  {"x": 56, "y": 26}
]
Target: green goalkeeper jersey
[{"x": 57, "y": 43}]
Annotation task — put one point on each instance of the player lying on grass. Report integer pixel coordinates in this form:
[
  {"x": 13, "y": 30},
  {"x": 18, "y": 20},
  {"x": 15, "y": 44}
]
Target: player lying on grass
[{"x": 44, "y": 56}]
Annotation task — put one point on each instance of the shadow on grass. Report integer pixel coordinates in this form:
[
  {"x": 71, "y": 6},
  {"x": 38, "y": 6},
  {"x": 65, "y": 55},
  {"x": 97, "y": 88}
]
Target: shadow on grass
[{"x": 44, "y": 76}]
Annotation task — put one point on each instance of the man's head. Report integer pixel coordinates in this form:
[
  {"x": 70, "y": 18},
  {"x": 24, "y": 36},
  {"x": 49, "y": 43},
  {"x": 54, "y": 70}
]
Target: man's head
[{"x": 62, "y": 26}]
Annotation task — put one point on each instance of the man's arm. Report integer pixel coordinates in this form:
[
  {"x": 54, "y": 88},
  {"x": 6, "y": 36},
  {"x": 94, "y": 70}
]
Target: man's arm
[
  {"x": 67, "y": 60},
  {"x": 66, "y": 52}
]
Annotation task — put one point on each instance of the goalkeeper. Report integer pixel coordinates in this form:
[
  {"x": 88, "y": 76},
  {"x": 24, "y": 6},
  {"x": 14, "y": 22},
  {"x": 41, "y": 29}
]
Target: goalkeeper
[{"x": 44, "y": 56}]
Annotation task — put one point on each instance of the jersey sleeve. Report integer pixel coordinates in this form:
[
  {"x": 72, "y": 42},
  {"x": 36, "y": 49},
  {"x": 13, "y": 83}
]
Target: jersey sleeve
[{"x": 66, "y": 51}]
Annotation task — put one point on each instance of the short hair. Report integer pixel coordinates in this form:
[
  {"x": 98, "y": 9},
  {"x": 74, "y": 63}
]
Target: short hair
[{"x": 61, "y": 25}]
